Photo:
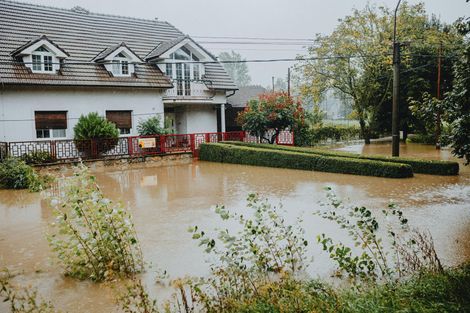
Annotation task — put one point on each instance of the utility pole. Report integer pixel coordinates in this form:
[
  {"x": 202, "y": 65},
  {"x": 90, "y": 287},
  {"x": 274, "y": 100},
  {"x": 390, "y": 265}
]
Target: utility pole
[
  {"x": 273, "y": 83},
  {"x": 438, "y": 95},
  {"x": 288, "y": 81},
  {"x": 396, "y": 86}
]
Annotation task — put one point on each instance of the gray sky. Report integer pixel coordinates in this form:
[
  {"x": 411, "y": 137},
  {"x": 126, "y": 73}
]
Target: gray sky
[{"x": 253, "y": 18}]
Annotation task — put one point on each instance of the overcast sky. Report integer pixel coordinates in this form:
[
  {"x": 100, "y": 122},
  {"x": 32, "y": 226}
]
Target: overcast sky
[{"x": 253, "y": 18}]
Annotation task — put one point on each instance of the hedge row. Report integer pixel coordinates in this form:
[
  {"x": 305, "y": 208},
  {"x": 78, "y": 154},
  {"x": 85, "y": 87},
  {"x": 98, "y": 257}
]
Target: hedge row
[
  {"x": 434, "y": 167},
  {"x": 227, "y": 153}
]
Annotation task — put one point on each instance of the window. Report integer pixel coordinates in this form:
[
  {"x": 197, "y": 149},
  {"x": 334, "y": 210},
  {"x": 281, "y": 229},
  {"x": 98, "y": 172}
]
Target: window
[
  {"x": 187, "y": 80},
  {"x": 122, "y": 120},
  {"x": 42, "y": 60},
  {"x": 196, "y": 72},
  {"x": 50, "y": 124},
  {"x": 169, "y": 70},
  {"x": 120, "y": 65}
]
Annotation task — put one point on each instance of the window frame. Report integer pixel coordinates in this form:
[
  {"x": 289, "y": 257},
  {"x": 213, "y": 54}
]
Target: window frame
[
  {"x": 43, "y": 64},
  {"x": 120, "y": 67}
]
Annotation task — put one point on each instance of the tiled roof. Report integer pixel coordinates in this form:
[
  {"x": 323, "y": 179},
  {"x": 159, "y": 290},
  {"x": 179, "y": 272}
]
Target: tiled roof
[
  {"x": 245, "y": 94},
  {"x": 33, "y": 41},
  {"x": 103, "y": 54},
  {"x": 85, "y": 35},
  {"x": 164, "y": 47}
]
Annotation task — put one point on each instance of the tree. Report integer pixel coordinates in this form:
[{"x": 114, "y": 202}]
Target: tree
[
  {"x": 457, "y": 101},
  {"x": 355, "y": 61},
  {"x": 93, "y": 126},
  {"x": 270, "y": 114},
  {"x": 237, "y": 70}
]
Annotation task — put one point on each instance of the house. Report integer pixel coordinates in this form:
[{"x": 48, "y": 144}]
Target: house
[
  {"x": 57, "y": 64},
  {"x": 237, "y": 103}
]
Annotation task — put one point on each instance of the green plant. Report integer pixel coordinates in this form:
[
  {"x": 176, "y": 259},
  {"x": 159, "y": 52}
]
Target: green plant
[
  {"x": 97, "y": 128},
  {"x": 151, "y": 126},
  {"x": 16, "y": 174},
  {"x": 260, "y": 156},
  {"x": 435, "y": 167},
  {"x": 264, "y": 250},
  {"x": 22, "y": 300},
  {"x": 135, "y": 299},
  {"x": 38, "y": 157},
  {"x": 93, "y": 237}
]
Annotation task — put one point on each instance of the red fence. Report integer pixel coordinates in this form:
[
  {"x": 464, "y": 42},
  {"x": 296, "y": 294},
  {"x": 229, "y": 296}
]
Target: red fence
[{"x": 134, "y": 146}]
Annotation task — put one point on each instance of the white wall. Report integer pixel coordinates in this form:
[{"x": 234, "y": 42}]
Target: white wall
[
  {"x": 17, "y": 107},
  {"x": 200, "y": 118}
]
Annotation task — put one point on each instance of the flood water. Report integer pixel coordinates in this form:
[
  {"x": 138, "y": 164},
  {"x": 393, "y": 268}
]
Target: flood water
[{"x": 165, "y": 201}]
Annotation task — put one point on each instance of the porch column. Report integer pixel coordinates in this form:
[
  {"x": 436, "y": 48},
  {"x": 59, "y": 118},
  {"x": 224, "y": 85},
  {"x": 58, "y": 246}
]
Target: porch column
[{"x": 222, "y": 117}]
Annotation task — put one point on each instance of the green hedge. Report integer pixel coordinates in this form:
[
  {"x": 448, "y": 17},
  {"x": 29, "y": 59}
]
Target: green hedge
[
  {"x": 434, "y": 167},
  {"x": 294, "y": 160}
]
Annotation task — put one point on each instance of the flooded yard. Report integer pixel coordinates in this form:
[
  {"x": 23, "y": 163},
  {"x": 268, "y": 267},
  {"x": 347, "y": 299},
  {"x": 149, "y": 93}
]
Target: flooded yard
[{"x": 165, "y": 201}]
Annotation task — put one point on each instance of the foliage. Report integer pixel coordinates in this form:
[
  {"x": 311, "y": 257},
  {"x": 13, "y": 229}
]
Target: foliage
[
  {"x": 271, "y": 111},
  {"x": 264, "y": 250},
  {"x": 434, "y": 167},
  {"x": 38, "y": 157},
  {"x": 135, "y": 299},
  {"x": 238, "y": 71},
  {"x": 361, "y": 70},
  {"x": 305, "y": 161},
  {"x": 302, "y": 131},
  {"x": 16, "y": 174},
  {"x": 93, "y": 126},
  {"x": 93, "y": 237},
  {"x": 456, "y": 101},
  {"x": 151, "y": 126},
  {"x": 22, "y": 300}
]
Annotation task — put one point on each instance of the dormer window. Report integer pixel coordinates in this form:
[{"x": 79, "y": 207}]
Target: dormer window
[
  {"x": 121, "y": 65},
  {"x": 41, "y": 55},
  {"x": 119, "y": 60},
  {"x": 42, "y": 60}
]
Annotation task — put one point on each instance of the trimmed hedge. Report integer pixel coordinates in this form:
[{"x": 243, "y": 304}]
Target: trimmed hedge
[
  {"x": 227, "y": 153},
  {"x": 433, "y": 167}
]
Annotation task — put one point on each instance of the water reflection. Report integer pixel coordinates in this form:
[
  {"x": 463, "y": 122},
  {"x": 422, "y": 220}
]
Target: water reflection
[{"x": 166, "y": 200}]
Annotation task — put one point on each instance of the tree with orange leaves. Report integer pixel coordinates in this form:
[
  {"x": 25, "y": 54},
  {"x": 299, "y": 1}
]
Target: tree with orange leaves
[{"x": 270, "y": 114}]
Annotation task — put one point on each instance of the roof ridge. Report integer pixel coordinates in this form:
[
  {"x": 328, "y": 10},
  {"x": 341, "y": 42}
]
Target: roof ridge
[{"x": 91, "y": 13}]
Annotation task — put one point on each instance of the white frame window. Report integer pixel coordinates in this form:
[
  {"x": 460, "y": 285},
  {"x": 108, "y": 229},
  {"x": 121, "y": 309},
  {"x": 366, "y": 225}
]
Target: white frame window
[
  {"x": 42, "y": 60},
  {"x": 51, "y": 133},
  {"x": 120, "y": 66}
]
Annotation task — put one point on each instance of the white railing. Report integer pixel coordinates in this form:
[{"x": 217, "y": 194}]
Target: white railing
[{"x": 185, "y": 89}]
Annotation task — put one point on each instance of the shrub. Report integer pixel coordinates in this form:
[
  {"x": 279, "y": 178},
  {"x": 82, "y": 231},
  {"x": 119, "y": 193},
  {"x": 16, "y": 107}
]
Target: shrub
[
  {"x": 434, "y": 167},
  {"x": 151, "y": 126},
  {"x": 38, "y": 157},
  {"x": 93, "y": 126},
  {"x": 304, "y": 161},
  {"x": 16, "y": 174},
  {"x": 93, "y": 237}
]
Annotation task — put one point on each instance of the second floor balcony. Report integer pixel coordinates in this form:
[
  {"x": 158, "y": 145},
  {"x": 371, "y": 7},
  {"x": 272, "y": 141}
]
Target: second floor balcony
[{"x": 184, "y": 90}]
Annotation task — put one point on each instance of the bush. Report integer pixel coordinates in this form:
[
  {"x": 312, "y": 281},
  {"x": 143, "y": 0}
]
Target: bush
[
  {"x": 304, "y": 161},
  {"x": 38, "y": 157},
  {"x": 93, "y": 126},
  {"x": 434, "y": 167},
  {"x": 151, "y": 126},
  {"x": 16, "y": 174},
  {"x": 94, "y": 238}
]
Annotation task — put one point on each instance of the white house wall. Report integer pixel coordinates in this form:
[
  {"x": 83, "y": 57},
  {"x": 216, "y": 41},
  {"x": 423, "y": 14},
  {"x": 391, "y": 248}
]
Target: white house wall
[
  {"x": 17, "y": 107},
  {"x": 196, "y": 118}
]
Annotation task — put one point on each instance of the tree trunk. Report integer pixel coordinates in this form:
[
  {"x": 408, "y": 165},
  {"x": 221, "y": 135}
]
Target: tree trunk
[{"x": 364, "y": 131}]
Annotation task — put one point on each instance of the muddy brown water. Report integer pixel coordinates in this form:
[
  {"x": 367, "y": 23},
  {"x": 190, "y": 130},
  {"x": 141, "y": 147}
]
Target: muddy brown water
[{"x": 165, "y": 201}]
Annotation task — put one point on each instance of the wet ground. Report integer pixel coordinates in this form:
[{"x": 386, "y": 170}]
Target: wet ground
[{"x": 166, "y": 201}]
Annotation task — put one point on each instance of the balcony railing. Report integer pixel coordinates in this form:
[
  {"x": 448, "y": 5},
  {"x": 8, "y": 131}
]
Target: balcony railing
[{"x": 186, "y": 89}]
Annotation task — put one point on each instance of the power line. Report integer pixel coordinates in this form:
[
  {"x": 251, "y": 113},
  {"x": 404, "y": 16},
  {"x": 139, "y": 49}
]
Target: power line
[{"x": 254, "y": 38}]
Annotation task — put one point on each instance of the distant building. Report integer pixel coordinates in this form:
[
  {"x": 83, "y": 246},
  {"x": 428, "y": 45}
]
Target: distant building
[
  {"x": 57, "y": 64},
  {"x": 237, "y": 103}
]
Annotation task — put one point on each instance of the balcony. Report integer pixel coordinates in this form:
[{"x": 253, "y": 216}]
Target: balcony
[{"x": 187, "y": 90}]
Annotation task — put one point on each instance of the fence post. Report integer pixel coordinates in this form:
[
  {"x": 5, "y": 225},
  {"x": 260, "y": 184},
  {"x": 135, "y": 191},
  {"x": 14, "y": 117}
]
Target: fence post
[
  {"x": 193, "y": 143},
  {"x": 162, "y": 144},
  {"x": 94, "y": 149},
  {"x": 130, "y": 147},
  {"x": 207, "y": 138},
  {"x": 52, "y": 146}
]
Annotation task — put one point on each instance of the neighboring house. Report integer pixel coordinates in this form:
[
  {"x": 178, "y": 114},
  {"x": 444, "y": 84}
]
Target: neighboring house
[
  {"x": 237, "y": 103},
  {"x": 57, "y": 64}
]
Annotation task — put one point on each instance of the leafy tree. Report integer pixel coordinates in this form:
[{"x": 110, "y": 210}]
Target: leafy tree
[
  {"x": 238, "y": 71},
  {"x": 355, "y": 61},
  {"x": 93, "y": 126},
  {"x": 271, "y": 112},
  {"x": 457, "y": 101},
  {"x": 151, "y": 126}
]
